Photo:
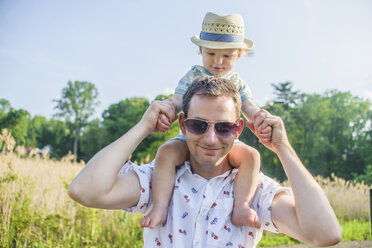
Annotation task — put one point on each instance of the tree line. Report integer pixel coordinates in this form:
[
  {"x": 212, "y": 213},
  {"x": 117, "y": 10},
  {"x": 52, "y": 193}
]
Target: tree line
[{"x": 332, "y": 132}]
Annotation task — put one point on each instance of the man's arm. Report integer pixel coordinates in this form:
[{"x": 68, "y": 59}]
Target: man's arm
[
  {"x": 99, "y": 184},
  {"x": 307, "y": 215}
]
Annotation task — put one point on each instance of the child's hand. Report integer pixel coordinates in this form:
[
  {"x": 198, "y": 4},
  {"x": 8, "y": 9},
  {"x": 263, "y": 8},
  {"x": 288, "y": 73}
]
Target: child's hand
[
  {"x": 163, "y": 123},
  {"x": 264, "y": 135}
]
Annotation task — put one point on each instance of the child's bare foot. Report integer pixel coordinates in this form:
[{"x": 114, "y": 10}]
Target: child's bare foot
[
  {"x": 157, "y": 216},
  {"x": 245, "y": 216}
]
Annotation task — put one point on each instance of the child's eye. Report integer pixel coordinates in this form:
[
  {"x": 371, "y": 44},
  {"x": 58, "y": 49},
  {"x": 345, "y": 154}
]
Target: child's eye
[
  {"x": 226, "y": 56},
  {"x": 211, "y": 54}
]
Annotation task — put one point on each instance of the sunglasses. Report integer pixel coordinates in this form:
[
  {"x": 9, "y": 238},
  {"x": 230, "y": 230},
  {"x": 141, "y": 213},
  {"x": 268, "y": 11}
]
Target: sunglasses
[{"x": 224, "y": 129}]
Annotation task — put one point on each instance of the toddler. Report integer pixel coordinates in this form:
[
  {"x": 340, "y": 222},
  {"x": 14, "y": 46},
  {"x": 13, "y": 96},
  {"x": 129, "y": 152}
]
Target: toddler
[{"x": 221, "y": 43}]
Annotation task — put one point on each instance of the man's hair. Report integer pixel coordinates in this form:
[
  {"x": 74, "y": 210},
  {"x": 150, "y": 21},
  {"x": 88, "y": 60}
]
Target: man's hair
[{"x": 212, "y": 86}]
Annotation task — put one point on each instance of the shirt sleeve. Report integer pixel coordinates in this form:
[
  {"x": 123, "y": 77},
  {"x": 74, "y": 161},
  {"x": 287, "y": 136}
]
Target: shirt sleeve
[
  {"x": 243, "y": 88},
  {"x": 267, "y": 189},
  {"x": 184, "y": 83},
  {"x": 144, "y": 173}
]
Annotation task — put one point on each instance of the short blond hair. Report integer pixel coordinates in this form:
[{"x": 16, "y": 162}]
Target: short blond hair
[{"x": 244, "y": 52}]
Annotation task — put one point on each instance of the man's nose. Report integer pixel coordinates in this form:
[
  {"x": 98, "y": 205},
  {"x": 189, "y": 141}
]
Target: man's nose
[{"x": 210, "y": 137}]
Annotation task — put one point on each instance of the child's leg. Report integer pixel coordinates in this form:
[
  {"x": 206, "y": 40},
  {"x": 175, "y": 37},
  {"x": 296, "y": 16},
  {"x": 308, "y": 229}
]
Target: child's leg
[
  {"x": 168, "y": 156},
  {"x": 245, "y": 184}
]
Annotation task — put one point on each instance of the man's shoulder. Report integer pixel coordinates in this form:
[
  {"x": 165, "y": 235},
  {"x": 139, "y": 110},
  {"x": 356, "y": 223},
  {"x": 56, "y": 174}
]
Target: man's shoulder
[{"x": 143, "y": 169}]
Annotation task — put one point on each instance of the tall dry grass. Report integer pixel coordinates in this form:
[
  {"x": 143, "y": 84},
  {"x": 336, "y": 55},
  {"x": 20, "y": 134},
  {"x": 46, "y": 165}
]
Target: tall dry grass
[
  {"x": 349, "y": 199},
  {"x": 36, "y": 211}
]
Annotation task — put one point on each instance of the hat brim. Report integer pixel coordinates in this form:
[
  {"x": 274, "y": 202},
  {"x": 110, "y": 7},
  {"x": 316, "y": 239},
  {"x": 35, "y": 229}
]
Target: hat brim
[{"x": 247, "y": 45}]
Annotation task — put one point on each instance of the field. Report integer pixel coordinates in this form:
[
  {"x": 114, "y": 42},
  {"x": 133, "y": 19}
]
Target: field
[{"x": 37, "y": 212}]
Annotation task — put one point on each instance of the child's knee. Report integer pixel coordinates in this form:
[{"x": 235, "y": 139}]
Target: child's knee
[
  {"x": 246, "y": 151},
  {"x": 170, "y": 150}
]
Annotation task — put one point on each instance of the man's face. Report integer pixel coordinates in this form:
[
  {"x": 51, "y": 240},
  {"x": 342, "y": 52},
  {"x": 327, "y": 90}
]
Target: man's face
[{"x": 208, "y": 151}]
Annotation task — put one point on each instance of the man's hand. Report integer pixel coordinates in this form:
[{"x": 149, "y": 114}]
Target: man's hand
[
  {"x": 269, "y": 129},
  {"x": 157, "y": 113}
]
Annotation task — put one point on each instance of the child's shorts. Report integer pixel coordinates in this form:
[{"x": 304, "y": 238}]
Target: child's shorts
[{"x": 182, "y": 137}]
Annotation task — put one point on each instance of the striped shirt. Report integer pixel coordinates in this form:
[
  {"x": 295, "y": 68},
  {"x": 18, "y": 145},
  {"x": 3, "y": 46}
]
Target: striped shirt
[{"x": 198, "y": 71}]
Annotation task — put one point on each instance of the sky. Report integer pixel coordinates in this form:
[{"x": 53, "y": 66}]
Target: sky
[{"x": 141, "y": 48}]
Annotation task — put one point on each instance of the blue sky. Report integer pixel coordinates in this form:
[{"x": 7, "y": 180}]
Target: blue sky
[{"x": 142, "y": 48}]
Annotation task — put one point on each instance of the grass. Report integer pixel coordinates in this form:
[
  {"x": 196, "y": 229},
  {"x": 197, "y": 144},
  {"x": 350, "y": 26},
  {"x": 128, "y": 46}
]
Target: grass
[
  {"x": 36, "y": 211},
  {"x": 352, "y": 230}
]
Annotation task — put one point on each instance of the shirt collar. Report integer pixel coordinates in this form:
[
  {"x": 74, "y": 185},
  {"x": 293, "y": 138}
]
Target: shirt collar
[{"x": 186, "y": 168}]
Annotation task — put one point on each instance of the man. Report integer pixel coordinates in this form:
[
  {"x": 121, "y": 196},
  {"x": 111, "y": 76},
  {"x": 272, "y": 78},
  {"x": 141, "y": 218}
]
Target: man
[{"x": 200, "y": 208}]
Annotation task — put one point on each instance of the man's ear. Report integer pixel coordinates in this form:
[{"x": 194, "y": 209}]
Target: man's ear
[
  {"x": 181, "y": 122},
  {"x": 240, "y": 128}
]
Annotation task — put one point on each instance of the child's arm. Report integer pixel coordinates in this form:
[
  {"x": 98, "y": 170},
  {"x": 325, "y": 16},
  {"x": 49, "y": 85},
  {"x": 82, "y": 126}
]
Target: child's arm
[
  {"x": 249, "y": 109},
  {"x": 247, "y": 159},
  {"x": 177, "y": 102}
]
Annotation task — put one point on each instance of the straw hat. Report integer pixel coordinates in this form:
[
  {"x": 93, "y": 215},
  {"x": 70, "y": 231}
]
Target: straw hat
[{"x": 222, "y": 32}]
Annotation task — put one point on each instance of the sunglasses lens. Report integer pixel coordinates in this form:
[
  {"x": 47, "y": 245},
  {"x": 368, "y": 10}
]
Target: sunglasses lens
[
  {"x": 197, "y": 127},
  {"x": 225, "y": 129}
]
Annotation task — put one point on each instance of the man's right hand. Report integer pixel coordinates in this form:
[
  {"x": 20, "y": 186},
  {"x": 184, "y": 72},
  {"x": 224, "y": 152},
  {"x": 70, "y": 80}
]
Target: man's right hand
[{"x": 159, "y": 116}]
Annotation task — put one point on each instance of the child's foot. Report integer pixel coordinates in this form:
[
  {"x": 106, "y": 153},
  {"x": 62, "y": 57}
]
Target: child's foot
[
  {"x": 245, "y": 216},
  {"x": 157, "y": 216}
]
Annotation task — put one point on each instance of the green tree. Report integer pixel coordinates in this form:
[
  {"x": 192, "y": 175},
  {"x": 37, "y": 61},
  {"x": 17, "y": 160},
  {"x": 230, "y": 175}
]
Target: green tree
[
  {"x": 285, "y": 95},
  {"x": 77, "y": 104},
  {"x": 17, "y": 122},
  {"x": 122, "y": 116},
  {"x": 329, "y": 128},
  {"x": 331, "y": 133},
  {"x": 92, "y": 139},
  {"x": 57, "y": 134},
  {"x": 34, "y": 131},
  {"x": 4, "y": 107}
]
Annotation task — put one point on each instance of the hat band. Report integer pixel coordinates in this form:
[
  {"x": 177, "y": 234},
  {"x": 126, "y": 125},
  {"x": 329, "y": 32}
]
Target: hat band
[{"x": 221, "y": 37}]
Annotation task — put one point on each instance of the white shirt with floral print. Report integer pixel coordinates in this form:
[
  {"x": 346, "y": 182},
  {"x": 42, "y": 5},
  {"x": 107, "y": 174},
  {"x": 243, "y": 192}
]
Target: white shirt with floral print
[{"x": 199, "y": 211}]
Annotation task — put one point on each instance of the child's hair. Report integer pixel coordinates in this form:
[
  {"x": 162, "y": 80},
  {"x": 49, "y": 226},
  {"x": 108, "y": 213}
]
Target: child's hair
[
  {"x": 212, "y": 86},
  {"x": 244, "y": 52}
]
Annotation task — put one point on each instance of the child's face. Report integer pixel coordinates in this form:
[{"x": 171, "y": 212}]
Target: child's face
[{"x": 219, "y": 61}]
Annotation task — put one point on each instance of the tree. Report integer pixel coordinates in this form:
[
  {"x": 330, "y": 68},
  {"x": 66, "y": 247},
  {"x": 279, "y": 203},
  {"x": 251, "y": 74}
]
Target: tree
[
  {"x": 4, "y": 107},
  {"x": 17, "y": 122},
  {"x": 57, "y": 134},
  {"x": 77, "y": 104},
  {"x": 92, "y": 139},
  {"x": 285, "y": 95},
  {"x": 331, "y": 133},
  {"x": 120, "y": 117}
]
